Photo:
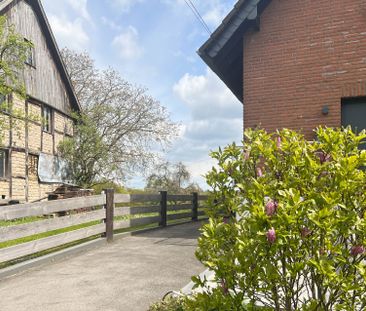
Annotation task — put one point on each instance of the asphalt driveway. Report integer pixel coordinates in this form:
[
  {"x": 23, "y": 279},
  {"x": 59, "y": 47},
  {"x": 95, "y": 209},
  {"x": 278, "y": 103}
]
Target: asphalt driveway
[{"x": 126, "y": 275}]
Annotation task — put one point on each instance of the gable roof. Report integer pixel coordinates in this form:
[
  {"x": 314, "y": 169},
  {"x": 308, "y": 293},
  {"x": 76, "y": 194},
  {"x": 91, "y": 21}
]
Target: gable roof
[
  {"x": 223, "y": 51},
  {"x": 52, "y": 45}
]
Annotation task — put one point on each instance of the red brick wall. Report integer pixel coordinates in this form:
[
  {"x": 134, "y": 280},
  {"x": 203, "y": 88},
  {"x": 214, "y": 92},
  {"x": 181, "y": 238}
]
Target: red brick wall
[{"x": 307, "y": 54}]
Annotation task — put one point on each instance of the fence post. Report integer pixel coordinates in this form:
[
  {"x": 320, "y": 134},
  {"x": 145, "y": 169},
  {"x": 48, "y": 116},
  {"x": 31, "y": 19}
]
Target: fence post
[
  {"x": 109, "y": 211},
  {"x": 195, "y": 206},
  {"x": 163, "y": 208}
]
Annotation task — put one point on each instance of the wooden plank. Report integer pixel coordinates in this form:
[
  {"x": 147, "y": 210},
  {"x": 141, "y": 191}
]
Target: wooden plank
[
  {"x": 179, "y": 216},
  {"x": 201, "y": 213},
  {"x": 49, "y": 207},
  {"x": 195, "y": 206},
  {"x": 136, "y": 222},
  {"x": 20, "y": 231},
  {"x": 179, "y": 197},
  {"x": 163, "y": 208},
  {"x": 121, "y": 198},
  {"x": 109, "y": 207},
  {"x": 126, "y": 210},
  {"x": 179, "y": 207},
  {"x": 145, "y": 198},
  {"x": 36, "y": 246},
  {"x": 202, "y": 197}
]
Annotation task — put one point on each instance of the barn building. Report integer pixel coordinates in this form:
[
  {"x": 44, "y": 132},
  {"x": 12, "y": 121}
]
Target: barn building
[{"x": 28, "y": 155}]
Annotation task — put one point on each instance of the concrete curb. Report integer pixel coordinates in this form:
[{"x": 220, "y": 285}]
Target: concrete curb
[{"x": 25, "y": 266}]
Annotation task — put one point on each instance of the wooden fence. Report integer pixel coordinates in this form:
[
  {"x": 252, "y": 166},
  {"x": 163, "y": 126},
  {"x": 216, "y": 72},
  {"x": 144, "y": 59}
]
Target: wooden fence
[{"x": 93, "y": 216}]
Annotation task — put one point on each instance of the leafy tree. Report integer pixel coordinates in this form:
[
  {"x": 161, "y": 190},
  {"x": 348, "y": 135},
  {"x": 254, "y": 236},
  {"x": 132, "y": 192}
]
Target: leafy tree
[
  {"x": 127, "y": 124},
  {"x": 172, "y": 178},
  {"x": 13, "y": 53},
  {"x": 298, "y": 241}
]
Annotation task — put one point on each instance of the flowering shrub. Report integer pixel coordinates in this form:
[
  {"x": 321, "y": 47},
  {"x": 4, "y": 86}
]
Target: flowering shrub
[{"x": 297, "y": 233}]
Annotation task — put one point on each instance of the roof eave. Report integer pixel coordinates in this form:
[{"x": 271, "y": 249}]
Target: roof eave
[
  {"x": 51, "y": 41},
  {"x": 219, "y": 46}
]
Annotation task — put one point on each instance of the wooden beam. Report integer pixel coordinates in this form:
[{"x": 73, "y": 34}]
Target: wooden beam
[
  {"x": 24, "y": 230},
  {"x": 36, "y": 246},
  {"x": 49, "y": 207}
]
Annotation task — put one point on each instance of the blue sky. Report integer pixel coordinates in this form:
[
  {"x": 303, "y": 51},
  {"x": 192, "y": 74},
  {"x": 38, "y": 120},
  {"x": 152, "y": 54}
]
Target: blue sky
[{"x": 153, "y": 43}]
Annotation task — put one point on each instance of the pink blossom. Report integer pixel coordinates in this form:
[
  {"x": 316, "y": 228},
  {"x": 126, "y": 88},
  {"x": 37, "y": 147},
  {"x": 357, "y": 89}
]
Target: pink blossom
[
  {"x": 247, "y": 155},
  {"x": 271, "y": 235},
  {"x": 226, "y": 220},
  {"x": 224, "y": 287},
  {"x": 279, "y": 142},
  {"x": 259, "y": 172},
  {"x": 305, "y": 232},
  {"x": 323, "y": 157},
  {"x": 357, "y": 250},
  {"x": 271, "y": 207}
]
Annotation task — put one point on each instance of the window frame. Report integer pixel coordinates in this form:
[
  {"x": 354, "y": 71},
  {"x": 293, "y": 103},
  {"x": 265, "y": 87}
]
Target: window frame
[
  {"x": 31, "y": 55},
  {"x": 47, "y": 119},
  {"x": 4, "y": 157},
  {"x": 5, "y": 100}
]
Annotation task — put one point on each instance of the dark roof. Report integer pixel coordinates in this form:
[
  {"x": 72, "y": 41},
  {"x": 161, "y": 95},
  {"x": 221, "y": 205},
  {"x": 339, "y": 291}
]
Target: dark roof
[
  {"x": 223, "y": 51},
  {"x": 52, "y": 45}
]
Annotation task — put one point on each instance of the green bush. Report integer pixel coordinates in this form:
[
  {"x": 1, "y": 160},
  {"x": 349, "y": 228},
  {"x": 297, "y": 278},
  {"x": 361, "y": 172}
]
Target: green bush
[
  {"x": 300, "y": 241},
  {"x": 169, "y": 304}
]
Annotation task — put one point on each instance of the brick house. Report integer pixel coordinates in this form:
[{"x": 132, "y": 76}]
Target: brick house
[
  {"x": 50, "y": 100},
  {"x": 294, "y": 63}
]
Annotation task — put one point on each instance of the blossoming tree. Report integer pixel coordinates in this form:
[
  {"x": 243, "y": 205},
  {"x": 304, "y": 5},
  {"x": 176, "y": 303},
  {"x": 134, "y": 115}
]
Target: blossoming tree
[{"x": 297, "y": 231}]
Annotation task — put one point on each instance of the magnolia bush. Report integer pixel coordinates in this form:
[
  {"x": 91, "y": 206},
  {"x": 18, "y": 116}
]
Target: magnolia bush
[{"x": 287, "y": 226}]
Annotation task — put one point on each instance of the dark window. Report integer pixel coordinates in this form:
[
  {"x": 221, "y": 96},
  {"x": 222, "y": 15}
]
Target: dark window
[
  {"x": 354, "y": 114},
  {"x": 3, "y": 164},
  {"x": 47, "y": 119},
  {"x": 31, "y": 56},
  {"x": 33, "y": 166},
  {"x": 4, "y": 106}
]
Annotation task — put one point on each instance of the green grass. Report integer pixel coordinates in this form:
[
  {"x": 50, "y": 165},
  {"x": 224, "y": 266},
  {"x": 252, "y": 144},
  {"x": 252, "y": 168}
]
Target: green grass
[
  {"x": 46, "y": 234},
  {"x": 14, "y": 242},
  {"x": 8, "y": 223}
]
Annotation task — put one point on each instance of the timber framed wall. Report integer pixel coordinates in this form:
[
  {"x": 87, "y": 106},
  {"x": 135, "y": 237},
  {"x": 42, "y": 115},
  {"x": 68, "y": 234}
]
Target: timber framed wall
[
  {"x": 48, "y": 88},
  {"x": 24, "y": 141}
]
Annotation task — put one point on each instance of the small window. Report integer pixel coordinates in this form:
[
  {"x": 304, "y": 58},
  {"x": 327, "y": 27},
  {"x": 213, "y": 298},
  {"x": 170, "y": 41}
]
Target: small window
[
  {"x": 3, "y": 164},
  {"x": 33, "y": 166},
  {"x": 4, "y": 106},
  {"x": 47, "y": 119},
  {"x": 31, "y": 56}
]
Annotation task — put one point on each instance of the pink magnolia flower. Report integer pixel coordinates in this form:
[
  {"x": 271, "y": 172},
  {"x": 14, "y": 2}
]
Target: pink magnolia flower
[
  {"x": 224, "y": 287},
  {"x": 305, "y": 232},
  {"x": 357, "y": 250},
  {"x": 279, "y": 142},
  {"x": 247, "y": 155},
  {"x": 324, "y": 157},
  {"x": 271, "y": 235},
  {"x": 271, "y": 207},
  {"x": 259, "y": 172}
]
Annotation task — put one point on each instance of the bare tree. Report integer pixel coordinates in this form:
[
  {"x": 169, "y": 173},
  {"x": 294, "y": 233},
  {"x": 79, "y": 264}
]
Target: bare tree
[
  {"x": 131, "y": 124},
  {"x": 174, "y": 178}
]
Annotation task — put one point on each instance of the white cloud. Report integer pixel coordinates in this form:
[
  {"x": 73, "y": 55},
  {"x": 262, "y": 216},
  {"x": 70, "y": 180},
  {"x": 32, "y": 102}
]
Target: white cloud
[
  {"x": 127, "y": 44},
  {"x": 216, "y": 121},
  {"x": 124, "y": 5},
  {"x": 69, "y": 33},
  {"x": 111, "y": 24},
  {"x": 207, "y": 96},
  {"x": 80, "y": 7}
]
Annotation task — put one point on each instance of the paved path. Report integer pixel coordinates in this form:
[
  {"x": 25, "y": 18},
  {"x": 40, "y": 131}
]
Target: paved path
[{"x": 127, "y": 275}]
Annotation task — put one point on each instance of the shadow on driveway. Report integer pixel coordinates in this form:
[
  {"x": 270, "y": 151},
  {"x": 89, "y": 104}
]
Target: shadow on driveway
[{"x": 126, "y": 275}]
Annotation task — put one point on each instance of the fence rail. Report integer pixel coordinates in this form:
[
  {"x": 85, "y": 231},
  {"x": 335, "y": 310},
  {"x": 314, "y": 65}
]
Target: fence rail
[{"x": 86, "y": 217}]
